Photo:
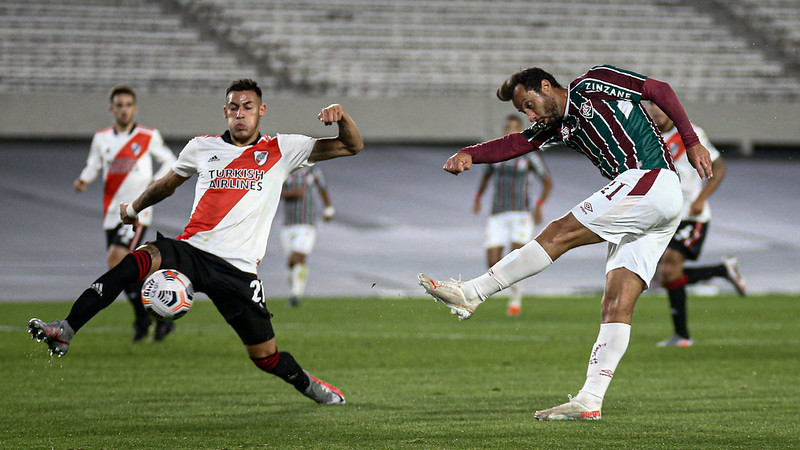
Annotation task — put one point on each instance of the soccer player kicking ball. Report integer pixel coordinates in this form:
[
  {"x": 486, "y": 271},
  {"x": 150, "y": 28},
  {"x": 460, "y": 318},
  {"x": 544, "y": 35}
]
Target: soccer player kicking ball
[
  {"x": 601, "y": 115},
  {"x": 240, "y": 174}
]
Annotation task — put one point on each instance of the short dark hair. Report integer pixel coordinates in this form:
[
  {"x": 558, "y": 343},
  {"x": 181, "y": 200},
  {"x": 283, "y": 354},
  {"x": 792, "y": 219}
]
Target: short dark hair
[
  {"x": 530, "y": 78},
  {"x": 121, "y": 89},
  {"x": 244, "y": 84}
]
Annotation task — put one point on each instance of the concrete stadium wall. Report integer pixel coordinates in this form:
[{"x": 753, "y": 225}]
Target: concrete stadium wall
[{"x": 424, "y": 120}]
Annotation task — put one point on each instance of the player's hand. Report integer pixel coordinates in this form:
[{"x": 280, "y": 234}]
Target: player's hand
[
  {"x": 331, "y": 114},
  {"x": 123, "y": 214},
  {"x": 328, "y": 213},
  {"x": 458, "y": 163},
  {"x": 701, "y": 160},
  {"x": 79, "y": 185}
]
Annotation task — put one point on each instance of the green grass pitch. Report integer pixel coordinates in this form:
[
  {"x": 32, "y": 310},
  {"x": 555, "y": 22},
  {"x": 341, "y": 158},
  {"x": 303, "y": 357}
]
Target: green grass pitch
[{"x": 414, "y": 377}]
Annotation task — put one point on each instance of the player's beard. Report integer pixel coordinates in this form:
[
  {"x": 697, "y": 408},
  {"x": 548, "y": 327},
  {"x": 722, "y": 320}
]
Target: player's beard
[{"x": 552, "y": 114}]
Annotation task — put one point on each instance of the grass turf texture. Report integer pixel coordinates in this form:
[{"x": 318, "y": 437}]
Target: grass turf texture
[{"x": 414, "y": 377}]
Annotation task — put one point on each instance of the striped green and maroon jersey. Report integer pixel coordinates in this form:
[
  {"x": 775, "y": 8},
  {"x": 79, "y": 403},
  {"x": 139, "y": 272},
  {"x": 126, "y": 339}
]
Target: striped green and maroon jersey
[
  {"x": 511, "y": 182},
  {"x": 605, "y": 120},
  {"x": 303, "y": 210}
]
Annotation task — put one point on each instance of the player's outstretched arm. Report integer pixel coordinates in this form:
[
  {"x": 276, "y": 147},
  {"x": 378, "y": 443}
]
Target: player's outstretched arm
[
  {"x": 157, "y": 191},
  {"x": 347, "y": 143}
]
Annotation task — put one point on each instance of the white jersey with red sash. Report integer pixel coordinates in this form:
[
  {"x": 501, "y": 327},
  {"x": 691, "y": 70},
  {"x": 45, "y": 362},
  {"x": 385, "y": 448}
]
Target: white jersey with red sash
[
  {"x": 126, "y": 161},
  {"x": 238, "y": 191},
  {"x": 691, "y": 184}
]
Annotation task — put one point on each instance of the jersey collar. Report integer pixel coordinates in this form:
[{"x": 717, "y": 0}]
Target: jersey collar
[{"x": 226, "y": 136}]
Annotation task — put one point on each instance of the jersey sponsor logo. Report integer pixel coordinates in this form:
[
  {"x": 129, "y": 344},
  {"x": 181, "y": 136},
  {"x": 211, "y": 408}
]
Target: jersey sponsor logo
[
  {"x": 593, "y": 86},
  {"x": 213, "y": 158},
  {"x": 586, "y": 110},
  {"x": 247, "y": 179},
  {"x": 261, "y": 157},
  {"x": 586, "y": 208}
]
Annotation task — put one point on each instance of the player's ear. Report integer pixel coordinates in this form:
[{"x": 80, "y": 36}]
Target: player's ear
[
  {"x": 546, "y": 85},
  {"x": 225, "y": 112},
  {"x": 262, "y": 110}
]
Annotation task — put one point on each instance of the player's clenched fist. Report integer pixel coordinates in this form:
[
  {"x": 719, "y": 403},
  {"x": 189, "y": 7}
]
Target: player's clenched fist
[
  {"x": 125, "y": 215},
  {"x": 458, "y": 163},
  {"x": 331, "y": 114}
]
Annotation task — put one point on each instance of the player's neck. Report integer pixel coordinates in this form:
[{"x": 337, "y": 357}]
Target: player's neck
[{"x": 123, "y": 129}]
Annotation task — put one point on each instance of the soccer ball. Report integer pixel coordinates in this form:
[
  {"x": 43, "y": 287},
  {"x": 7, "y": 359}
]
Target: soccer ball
[{"x": 168, "y": 294}]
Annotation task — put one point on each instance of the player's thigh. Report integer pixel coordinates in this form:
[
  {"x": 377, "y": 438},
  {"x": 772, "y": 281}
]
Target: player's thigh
[
  {"x": 521, "y": 228},
  {"x": 239, "y": 298},
  {"x": 639, "y": 254},
  {"x": 114, "y": 254},
  {"x": 298, "y": 239},
  {"x": 498, "y": 231},
  {"x": 670, "y": 267}
]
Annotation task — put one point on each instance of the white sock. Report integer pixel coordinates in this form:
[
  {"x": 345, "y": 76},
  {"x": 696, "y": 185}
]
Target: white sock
[
  {"x": 521, "y": 263},
  {"x": 298, "y": 277},
  {"x": 612, "y": 341},
  {"x": 516, "y": 294}
]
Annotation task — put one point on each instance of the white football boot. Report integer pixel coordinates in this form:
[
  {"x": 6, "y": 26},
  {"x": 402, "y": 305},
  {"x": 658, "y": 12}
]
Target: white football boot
[
  {"x": 732, "y": 268},
  {"x": 451, "y": 293},
  {"x": 572, "y": 410}
]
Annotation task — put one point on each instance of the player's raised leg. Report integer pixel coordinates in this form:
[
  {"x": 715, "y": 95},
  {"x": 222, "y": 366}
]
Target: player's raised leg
[
  {"x": 134, "y": 267},
  {"x": 557, "y": 238}
]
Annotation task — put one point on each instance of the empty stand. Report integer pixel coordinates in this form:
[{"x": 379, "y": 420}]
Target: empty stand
[{"x": 389, "y": 48}]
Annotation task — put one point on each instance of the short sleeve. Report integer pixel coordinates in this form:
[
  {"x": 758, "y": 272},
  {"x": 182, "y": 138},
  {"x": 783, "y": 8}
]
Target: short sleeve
[
  {"x": 186, "y": 165},
  {"x": 297, "y": 148}
]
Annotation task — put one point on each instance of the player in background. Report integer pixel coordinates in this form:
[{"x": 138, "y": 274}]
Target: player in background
[
  {"x": 299, "y": 231},
  {"x": 239, "y": 178},
  {"x": 601, "y": 115},
  {"x": 687, "y": 243},
  {"x": 511, "y": 223},
  {"x": 125, "y": 152}
]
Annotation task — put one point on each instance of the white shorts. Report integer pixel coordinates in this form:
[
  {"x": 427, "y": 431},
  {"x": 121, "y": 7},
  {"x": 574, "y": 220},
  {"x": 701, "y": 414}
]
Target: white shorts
[
  {"x": 510, "y": 227},
  {"x": 637, "y": 213},
  {"x": 298, "y": 239}
]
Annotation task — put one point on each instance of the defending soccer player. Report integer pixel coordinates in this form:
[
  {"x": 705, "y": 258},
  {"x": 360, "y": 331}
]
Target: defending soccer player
[{"x": 239, "y": 178}]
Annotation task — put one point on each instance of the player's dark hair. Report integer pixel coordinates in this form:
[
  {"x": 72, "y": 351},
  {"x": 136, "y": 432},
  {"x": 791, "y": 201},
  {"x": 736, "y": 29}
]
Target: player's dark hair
[
  {"x": 121, "y": 89},
  {"x": 530, "y": 78},
  {"x": 244, "y": 84}
]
